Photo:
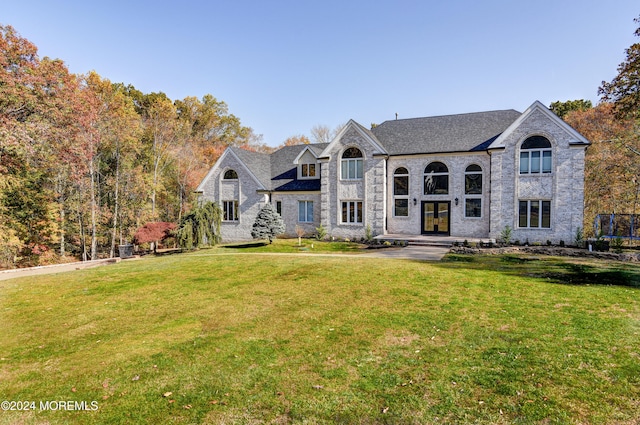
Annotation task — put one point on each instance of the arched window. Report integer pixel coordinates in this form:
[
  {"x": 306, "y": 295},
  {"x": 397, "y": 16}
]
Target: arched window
[
  {"x": 230, "y": 175},
  {"x": 535, "y": 155},
  {"x": 401, "y": 192},
  {"x": 473, "y": 188},
  {"x": 473, "y": 180},
  {"x": 351, "y": 164},
  {"x": 436, "y": 179}
]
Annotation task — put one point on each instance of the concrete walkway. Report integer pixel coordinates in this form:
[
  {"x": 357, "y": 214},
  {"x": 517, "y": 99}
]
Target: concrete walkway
[
  {"x": 411, "y": 252},
  {"x": 56, "y": 268}
]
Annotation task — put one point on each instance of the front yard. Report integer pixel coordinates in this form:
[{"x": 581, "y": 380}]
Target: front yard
[{"x": 208, "y": 338}]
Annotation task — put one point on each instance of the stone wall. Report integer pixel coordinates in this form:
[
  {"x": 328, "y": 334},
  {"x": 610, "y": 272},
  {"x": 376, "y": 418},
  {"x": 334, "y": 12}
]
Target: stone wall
[
  {"x": 244, "y": 190},
  {"x": 563, "y": 186},
  {"x": 460, "y": 225},
  {"x": 369, "y": 189}
]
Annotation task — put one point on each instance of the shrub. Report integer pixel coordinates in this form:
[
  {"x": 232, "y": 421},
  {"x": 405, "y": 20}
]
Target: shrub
[
  {"x": 321, "y": 232},
  {"x": 578, "y": 239},
  {"x": 368, "y": 233},
  {"x": 617, "y": 243},
  {"x": 505, "y": 235},
  {"x": 268, "y": 224}
]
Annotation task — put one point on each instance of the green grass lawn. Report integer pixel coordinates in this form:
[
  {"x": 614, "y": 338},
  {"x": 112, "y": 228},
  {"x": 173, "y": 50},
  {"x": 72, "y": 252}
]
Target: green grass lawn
[{"x": 210, "y": 338}]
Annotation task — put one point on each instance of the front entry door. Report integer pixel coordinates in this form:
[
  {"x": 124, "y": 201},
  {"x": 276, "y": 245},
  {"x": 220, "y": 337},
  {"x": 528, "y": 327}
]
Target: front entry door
[{"x": 435, "y": 218}]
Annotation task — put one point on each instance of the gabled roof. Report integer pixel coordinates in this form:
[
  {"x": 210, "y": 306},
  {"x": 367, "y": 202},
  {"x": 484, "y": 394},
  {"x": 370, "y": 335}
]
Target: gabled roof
[
  {"x": 378, "y": 149},
  {"x": 256, "y": 162},
  {"x": 256, "y": 165},
  {"x": 448, "y": 133},
  {"x": 284, "y": 171},
  {"x": 537, "y": 106}
]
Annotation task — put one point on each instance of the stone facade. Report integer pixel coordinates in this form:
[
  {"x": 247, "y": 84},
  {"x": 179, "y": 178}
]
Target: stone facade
[
  {"x": 485, "y": 190},
  {"x": 563, "y": 187}
]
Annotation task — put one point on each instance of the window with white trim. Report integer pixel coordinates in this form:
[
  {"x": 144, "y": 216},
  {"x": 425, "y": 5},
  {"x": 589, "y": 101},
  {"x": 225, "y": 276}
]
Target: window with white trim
[
  {"x": 436, "y": 179},
  {"x": 401, "y": 192},
  {"x": 308, "y": 171},
  {"x": 230, "y": 210},
  {"x": 351, "y": 164},
  {"x": 534, "y": 214},
  {"x": 351, "y": 212},
  {"x": 472, "y": 188},
  {"x": 305, "y": 211},
  {"x": 535, "y": 156}
]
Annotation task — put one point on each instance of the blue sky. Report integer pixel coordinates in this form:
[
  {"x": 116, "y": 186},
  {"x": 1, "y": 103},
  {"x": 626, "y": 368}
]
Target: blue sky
[{"x": 286, "y": 66}]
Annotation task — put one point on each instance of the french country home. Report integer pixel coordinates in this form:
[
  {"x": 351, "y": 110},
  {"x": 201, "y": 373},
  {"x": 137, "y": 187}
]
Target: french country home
[{"x": 467, "y": 176}]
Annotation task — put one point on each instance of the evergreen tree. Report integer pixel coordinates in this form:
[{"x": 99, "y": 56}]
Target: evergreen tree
[{"x": 268, "y": 224}]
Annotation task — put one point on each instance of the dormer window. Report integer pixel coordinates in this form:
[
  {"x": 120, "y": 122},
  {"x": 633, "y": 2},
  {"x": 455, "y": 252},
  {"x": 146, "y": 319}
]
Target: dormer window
[
  {"x": 307, "y": 171},
  {"x": 230, "y": 175},
  {"x": 307, "y": 163}
]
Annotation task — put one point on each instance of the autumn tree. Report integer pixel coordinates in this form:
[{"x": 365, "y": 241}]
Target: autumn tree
[
  {"x": 299, "y": 139},
  {"x": 561, "y": 109},
  {"x": 624, "y": 90},
  {"x": 611, "y": 171}
]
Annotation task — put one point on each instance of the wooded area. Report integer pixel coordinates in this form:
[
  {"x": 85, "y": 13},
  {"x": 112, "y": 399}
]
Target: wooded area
[{"x": 84, "y": 162}]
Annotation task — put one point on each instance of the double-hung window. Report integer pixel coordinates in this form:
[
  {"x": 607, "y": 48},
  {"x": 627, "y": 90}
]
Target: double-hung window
[
  {"x": 230, "y": 210},
  {"x": 305, "y": 211},
  {"x": 401, "y": 192},
  {"x": 535, "y": 156},
  {"x": 351, "y": 164},
  {"x": 534, "y": 214},
  {"x": 352, "y": 212}
]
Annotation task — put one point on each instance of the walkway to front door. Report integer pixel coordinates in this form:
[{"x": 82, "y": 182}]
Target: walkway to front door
[{"x": 435, "y": 217}]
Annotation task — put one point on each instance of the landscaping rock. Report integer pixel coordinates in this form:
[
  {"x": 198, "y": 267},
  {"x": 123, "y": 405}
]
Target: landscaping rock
[{"x": 549, "y": 250}]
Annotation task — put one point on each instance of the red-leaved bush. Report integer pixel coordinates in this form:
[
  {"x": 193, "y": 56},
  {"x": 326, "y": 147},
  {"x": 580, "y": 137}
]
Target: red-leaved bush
[{"x": 153, "y": 232}]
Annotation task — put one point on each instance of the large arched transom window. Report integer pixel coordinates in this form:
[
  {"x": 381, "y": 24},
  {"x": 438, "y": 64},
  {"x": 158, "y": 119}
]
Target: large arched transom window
[
  {"x": 401, "y": 192},
  {"x": 535, "y": 155},
  {"x": 351, "y": 165},
  {"x": 436, "y": 179}
]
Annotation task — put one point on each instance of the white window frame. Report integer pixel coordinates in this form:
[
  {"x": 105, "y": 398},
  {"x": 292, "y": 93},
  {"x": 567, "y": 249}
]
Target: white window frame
[
  {"x": 473, "y": 196},
  {"x": 540, "y": 203},
  {"x": 305, "y": 175},
  {"x": 349, "y": 171},
  {"x": 305, "y": 218},
  {"x": 435, "y": 174},
  {"x": 356, "y": 219},
  {"x": 230, "y": 206},
  {"x": 397, "y": 197},
  {"x": 527, "y": 159}
]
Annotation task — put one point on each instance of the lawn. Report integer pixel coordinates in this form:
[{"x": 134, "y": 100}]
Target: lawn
[{"x": 263, "y": 338}]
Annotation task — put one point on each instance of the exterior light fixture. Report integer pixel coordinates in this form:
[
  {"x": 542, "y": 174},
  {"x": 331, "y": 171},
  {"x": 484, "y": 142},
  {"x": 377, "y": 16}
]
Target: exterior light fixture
[{"x": 456, "y": 201}]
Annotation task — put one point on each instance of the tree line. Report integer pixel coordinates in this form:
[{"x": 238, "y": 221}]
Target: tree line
[
  {"x": 84, "y": 162},
  {"x": 612, "y": 163}
]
